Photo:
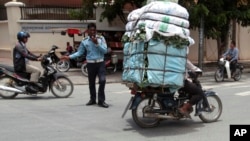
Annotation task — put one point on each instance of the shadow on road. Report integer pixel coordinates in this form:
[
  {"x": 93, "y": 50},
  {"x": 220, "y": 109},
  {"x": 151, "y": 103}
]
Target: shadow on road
[
  {"x": 167, "y": 128},
  {"x": 34, "y": 97}
]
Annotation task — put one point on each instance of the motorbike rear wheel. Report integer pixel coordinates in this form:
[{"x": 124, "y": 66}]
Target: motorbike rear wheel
[
  {"x": 237, "y": 75},
  {"x": 216, "y": 110},
  {"x": 142, "y": 108},
  {"x": 219, "y": 76},
  {"x": 8, "y": 82},
  {"x": 63, "y": 65},
  {"x": 84, "y": 69},
  {"x": 62, "y": 87}
]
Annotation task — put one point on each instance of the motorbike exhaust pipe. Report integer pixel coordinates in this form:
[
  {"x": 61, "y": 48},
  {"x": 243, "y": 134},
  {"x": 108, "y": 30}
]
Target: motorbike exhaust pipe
[
  {"x": 151, "y": 115},
  {"x": 10, "y": 89}
]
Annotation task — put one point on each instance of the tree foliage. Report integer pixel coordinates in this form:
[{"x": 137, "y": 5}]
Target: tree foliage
[
  {"x": 86, "y": 12},
  {"x": 218, "y": 15},
  {"x": 112, "y": 9}
]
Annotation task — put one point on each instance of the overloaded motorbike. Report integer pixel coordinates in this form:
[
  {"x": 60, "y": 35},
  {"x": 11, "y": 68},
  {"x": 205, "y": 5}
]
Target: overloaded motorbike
[
  {"x": 111, "y": 61},
  {"x": 150, "y": 105},
  {"x": 223, "y": 71},
  {"x": 13, "y": 83}
]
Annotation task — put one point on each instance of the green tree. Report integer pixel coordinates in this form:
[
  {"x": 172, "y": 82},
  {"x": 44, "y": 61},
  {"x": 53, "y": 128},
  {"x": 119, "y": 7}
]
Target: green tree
[
  {"x": 112, "y": 9},
  {"x": 218, "y": 15}
]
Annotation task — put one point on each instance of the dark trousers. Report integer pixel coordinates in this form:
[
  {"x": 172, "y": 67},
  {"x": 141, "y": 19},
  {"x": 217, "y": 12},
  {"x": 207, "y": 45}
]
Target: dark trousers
[
  {"x": 195, "y": 92},
  {"x": 233, "y": 66},
  {"x": 97, "y": 69}
]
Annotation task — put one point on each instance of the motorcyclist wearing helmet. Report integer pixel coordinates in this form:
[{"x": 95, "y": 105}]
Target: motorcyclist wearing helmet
[
  {"x": 21, "y": 57},
  {"x": 195, "y": 91}
]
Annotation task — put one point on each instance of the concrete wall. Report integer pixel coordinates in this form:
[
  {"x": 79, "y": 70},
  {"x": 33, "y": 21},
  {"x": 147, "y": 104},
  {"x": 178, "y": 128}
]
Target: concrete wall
[
  {"x": 210, "y": 49},
  {"x": 4, "y": 40},
  {"x": 243, "y": 42},
  {"x": 4, "y": 34}
]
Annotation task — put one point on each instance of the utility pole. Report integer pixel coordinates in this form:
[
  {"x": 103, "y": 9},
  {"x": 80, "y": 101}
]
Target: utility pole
[
  {"x": 201, "y": 42},
  {"x": 201, "y": 39}
]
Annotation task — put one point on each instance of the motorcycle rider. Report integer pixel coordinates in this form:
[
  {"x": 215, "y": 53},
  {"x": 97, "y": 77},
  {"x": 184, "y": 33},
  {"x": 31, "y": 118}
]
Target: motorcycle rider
[
  {"x": 232, "y": 55},
  {"x": 21, "y": 57},
  {"x": 69, "y": 48},
  {"x": 195, "y": 91}
]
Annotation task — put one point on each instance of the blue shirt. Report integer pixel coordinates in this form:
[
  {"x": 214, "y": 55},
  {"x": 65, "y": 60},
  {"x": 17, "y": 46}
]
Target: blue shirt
[
  {"x": 93, "y": 51},
  {"x": 233, "y": 53}
]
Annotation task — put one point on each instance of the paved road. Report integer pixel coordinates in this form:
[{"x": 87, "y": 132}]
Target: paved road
[{"x": 45, "y": 118}]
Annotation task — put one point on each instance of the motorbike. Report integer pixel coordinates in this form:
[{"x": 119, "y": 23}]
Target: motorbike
[
  {"x": 13, "y": 83},
  {"x": 223, "y": 71},
  {"x": 150, "y": 105},
  {"x": 111, "y": 61},
  {"x": 52, "y": 54},
  {"x": 65, "y": 65}
]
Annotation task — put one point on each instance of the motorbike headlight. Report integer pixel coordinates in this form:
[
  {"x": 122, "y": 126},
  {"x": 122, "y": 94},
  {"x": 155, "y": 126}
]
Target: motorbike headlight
[{"x": 221, "y": 62}]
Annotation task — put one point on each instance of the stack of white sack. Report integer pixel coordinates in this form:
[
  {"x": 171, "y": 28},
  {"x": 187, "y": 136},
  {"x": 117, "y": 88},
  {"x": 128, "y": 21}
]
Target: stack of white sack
[
  {"x": 155, "y": 45},
  {"x": 164, "y": 18}
]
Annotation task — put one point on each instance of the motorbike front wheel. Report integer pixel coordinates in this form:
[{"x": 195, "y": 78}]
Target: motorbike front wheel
[
  {"x": 7, "y": 82},
  {"x": 84, "y": 69},
  {"x": 219, "y": 76},
  {"x": 215, "y": 105},
  {"x": 142, "y": 110},
  {"x": 62, "y": 87},
  {"x": 63, "y": 65}
]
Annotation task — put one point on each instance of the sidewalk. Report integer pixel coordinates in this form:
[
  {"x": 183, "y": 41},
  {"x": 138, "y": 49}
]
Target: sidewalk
[{"x": 77, "y": 78}]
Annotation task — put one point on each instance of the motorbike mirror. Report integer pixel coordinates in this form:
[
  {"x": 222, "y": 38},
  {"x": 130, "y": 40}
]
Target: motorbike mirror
[{"x": 55, "y": 47}]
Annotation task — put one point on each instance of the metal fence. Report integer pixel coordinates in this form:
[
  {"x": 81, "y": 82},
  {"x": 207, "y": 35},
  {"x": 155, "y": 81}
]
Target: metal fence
[
  {"x": 49, "y": 13},
  {"x": 3, "y": 14}
]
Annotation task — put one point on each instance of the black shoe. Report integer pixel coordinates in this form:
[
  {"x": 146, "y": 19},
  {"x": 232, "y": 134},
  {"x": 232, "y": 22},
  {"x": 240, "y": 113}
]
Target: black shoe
[
  {"x": 91, "y": 102},
  {"x": 103, "y": 104},
  {"x": 38, "y": 84}
]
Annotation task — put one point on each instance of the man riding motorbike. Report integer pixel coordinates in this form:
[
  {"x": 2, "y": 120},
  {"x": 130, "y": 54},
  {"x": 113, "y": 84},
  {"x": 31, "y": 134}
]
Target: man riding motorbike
[
  {"x": 232, "y": 56},
  {"x": 195, "y": 91},
  {"x": 21, "y": 57}
]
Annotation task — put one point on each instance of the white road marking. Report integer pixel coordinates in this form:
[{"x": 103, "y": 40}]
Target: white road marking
[
  {"x": 224, "y": 85},
  {"x": 243, "y": 93},
  {"x": 120, "y": 92}
]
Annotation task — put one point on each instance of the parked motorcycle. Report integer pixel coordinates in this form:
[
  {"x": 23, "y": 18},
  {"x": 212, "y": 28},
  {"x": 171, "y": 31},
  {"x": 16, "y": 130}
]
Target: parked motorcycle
[
  {"x": 111, "y": 61},
  {"x": 65, "y": 65},
  {"x": 12, "y": 83},
  {"x": 223, "y": 71},
  {"x": 150, "y": 105}
]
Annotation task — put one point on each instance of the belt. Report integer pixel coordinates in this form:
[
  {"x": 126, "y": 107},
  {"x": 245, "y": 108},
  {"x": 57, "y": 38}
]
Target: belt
[{"x": 95, "y": 61}]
